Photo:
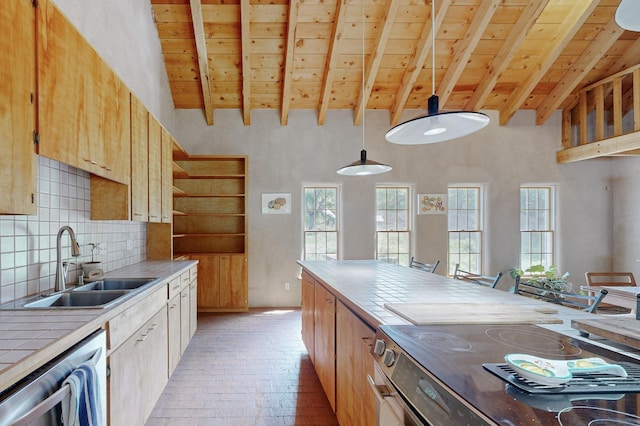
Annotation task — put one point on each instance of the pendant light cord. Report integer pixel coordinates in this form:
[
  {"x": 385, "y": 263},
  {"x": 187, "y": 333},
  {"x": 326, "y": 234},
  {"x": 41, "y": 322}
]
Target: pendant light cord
[
  {"x": 364, "y": 110},
  {"x": 433, "y": 47}
]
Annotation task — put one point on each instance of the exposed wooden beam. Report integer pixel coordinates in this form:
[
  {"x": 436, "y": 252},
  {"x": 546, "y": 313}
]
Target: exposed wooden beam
[
  {"x": 423, "y": 48},
  {"x": 466, "y": 46},
  {"x": 288, "y": 61},
  {"x": 245, "y": 23},
  {"x": 613, "y": 146},
  {"x": 580, "y": 68},
  {"x": 578, "y": 13},
  {"x": 375, "y": 60},
  {"x": 203, "y": 61},
  {"x": 338, "y": 24},
  {"x": 500, "y": 62}
]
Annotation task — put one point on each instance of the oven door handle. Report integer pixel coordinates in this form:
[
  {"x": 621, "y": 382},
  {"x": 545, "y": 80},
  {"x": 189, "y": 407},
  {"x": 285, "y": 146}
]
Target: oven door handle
[{"x": 385, "y": 415}]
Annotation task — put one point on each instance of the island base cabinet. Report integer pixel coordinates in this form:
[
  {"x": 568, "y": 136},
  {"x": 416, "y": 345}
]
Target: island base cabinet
[
  {"x": 139, "y": 372},
  {"x": 307, "y": 312},
  {"x": 325, "y": 342},
  {"x": 355, "y": 403}
]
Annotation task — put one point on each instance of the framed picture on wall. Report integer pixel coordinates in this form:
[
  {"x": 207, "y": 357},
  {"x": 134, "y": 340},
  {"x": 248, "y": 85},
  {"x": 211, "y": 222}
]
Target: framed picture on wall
[
  {"x": 432, "y": 203},
  {"x": 276, "y": 203}
]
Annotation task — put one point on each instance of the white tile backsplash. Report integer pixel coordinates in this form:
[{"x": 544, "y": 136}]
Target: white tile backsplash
[{"x": 28, "y": 243}]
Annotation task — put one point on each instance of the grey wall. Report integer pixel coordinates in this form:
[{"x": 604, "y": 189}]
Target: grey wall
[{"x": 283, "y": 159}]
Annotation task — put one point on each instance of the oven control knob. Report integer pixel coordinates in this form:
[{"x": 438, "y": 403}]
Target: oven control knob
[
  {"x": 389, "y": 357},
  {"x": 379, "y": 347}
]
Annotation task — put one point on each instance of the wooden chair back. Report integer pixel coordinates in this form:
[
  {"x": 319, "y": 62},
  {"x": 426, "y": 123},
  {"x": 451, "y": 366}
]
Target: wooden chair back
[
  {"x": 587, "y": 303},
  {"x": 616, "y": 279},
  {"x": 486, "y": 280},
  {"x": 429, "y": 267}
]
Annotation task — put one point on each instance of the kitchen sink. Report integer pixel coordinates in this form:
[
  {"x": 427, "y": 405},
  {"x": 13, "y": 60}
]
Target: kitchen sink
[
  {"x": 115, "y": 284},
  {"x": 82, "y": 299}
]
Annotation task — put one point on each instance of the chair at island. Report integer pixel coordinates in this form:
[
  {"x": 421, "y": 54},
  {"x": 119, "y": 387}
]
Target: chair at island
[
  {"x": 587, "y": 303},
  {"x": 486, "y": 280},
  {"x": 428, "y": 267},
  {"x": 611, "y": 279}
]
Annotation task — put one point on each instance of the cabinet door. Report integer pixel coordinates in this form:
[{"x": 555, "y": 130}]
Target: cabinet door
[
  {"x": 308, "y": 307},
  {"x": 83, "y": 107},
  {"x": 193, "y": 308},
  {"x": 185, "y": 320},
  {"x": 233, "y": 282},
  {"x": 17, "y": 108},
  {"x": 139, "y": 161},
  {"x": 155, "y": 170},
  {"x": 355, "y": 403},
  {"x": 174, "y": 333},
  {"x": 166, "y": 180},
  {"x": 208, "y": 281},
  {"x": 139, "y": 372},
  {"x": 325, "y": 342}
]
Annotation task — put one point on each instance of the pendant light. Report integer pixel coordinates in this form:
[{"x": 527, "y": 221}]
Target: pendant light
[
  {"x": 436, "y": 126},
  {"x": 363, "y": 167},
  {"x": 628, "y": 15}
]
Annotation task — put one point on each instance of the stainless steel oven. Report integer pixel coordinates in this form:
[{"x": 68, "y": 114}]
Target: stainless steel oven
[{"x": 456, "y": 375}]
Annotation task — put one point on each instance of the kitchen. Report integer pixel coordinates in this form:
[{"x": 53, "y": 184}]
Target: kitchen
[{"x": 597, "y": 197}]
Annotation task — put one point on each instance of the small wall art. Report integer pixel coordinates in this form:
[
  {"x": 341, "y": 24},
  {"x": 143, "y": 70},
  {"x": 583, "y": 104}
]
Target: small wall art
[
  {"x": 432, "y": 203},
  {"x": 276, "y": 203}
]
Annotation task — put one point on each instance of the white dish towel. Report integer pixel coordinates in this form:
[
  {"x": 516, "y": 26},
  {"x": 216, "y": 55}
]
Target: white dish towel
[{"x": 81, "y": 405}]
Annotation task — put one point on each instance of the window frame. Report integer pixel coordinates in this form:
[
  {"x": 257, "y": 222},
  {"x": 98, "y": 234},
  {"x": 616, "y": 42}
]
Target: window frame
[
  {"x": 478, "y": 230},
  {"x": 550, "y": 230},
  {"x": 305, "y": 232},
  {"x": 387, "y": 232}
]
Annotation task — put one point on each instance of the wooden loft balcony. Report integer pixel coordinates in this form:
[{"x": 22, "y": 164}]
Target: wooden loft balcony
[{"x": 604, "y": 120}]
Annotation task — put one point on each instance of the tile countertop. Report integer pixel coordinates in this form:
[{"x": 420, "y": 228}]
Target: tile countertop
[
  {"x": 31, "y": 338},
  {"x": 365, "y": 286}
]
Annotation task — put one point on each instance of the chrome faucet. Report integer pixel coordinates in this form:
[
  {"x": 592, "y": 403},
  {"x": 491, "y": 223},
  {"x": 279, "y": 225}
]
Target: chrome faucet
[{"x": 61, "y": 276}]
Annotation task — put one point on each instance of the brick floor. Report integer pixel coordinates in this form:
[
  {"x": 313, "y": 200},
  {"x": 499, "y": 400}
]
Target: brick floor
[{"x": 245, "y": 369}]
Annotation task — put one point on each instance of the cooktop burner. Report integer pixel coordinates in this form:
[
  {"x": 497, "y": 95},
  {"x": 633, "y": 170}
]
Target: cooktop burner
[
  {"x": 585, "y": 415},
  {"x": 456, "y": 356},
  {"x": 532, "y": 342}
]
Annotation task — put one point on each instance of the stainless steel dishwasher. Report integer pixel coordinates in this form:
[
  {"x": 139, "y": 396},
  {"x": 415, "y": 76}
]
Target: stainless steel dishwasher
[{"x": 35, "y": 400}]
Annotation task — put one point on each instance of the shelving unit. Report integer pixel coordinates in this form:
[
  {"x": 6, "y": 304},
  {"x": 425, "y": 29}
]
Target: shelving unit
[{"x": 210, "y": 225}]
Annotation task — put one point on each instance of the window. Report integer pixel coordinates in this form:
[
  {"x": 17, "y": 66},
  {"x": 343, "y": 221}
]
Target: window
[
  {"x": 320, "y": 223},
  {"x": 393, "y": 233},
  {"x": 536, "y": 226},
  {"x": 465, "y": 228}
]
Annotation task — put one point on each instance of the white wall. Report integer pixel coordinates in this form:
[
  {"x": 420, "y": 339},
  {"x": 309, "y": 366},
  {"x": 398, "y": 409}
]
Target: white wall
[
  {"x": 283, "y": 159},
  {"x": 625, "y": 206}
]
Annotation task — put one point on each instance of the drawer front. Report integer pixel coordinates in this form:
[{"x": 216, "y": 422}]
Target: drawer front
[
  {"x": 174, "y": 287},
  {"x": 124, "y": 325}
]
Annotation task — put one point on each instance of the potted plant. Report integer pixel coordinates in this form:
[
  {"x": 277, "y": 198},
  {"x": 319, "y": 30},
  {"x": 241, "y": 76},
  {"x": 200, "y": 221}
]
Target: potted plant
[
  {"x": 545, "y": 278},
  {"x": 94, "y": 265}
]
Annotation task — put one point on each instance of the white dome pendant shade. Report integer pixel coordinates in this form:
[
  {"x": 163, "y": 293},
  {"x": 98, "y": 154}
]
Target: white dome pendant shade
[
  {"x": 363, "y": 167},
  {"x": 628, "y": 15},
  {"x": 436, "y": 126}
]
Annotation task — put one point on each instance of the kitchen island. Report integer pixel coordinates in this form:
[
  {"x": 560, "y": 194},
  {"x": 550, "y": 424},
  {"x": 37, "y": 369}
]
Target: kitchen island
[{"x": 344, "y": 302}]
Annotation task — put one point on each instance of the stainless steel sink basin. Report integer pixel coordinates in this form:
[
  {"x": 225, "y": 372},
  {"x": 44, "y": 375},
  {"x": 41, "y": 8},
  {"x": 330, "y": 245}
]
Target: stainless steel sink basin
[
  {"x": 116, "y": 284},
  {"x": 81, "y": 299}
]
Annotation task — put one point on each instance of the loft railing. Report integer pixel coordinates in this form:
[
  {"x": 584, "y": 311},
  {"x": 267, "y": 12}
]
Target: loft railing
[{"x": 604, "y": 120}]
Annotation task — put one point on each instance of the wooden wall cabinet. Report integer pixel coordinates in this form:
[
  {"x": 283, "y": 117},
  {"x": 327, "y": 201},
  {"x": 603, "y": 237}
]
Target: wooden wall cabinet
[
  {"x": 139, "y": 161},
  {"x": 83, "y": 107},
  {"x": 18, "y": 163},
  {"x": 355, "y": 403},
  {"x": 325, "y": 341},
  {"x": 166, "y": 176},
  {"x": 155, "y": 170},
  {"x": 210, "y": 225}
]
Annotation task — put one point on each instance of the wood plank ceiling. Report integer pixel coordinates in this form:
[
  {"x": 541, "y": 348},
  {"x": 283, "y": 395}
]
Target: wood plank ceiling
[{"x": 502, "y": 55}]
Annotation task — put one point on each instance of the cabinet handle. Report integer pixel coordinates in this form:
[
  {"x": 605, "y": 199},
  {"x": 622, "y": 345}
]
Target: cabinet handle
[
  {"x": 107, "y": 168},
  {"x": 142, "y": 338},
  {"x": 153, "y": 327},
  {"x": 185, "y": 295},
  {"x": 172, "y": 306},
  {"x": 177, "y": 286}
]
